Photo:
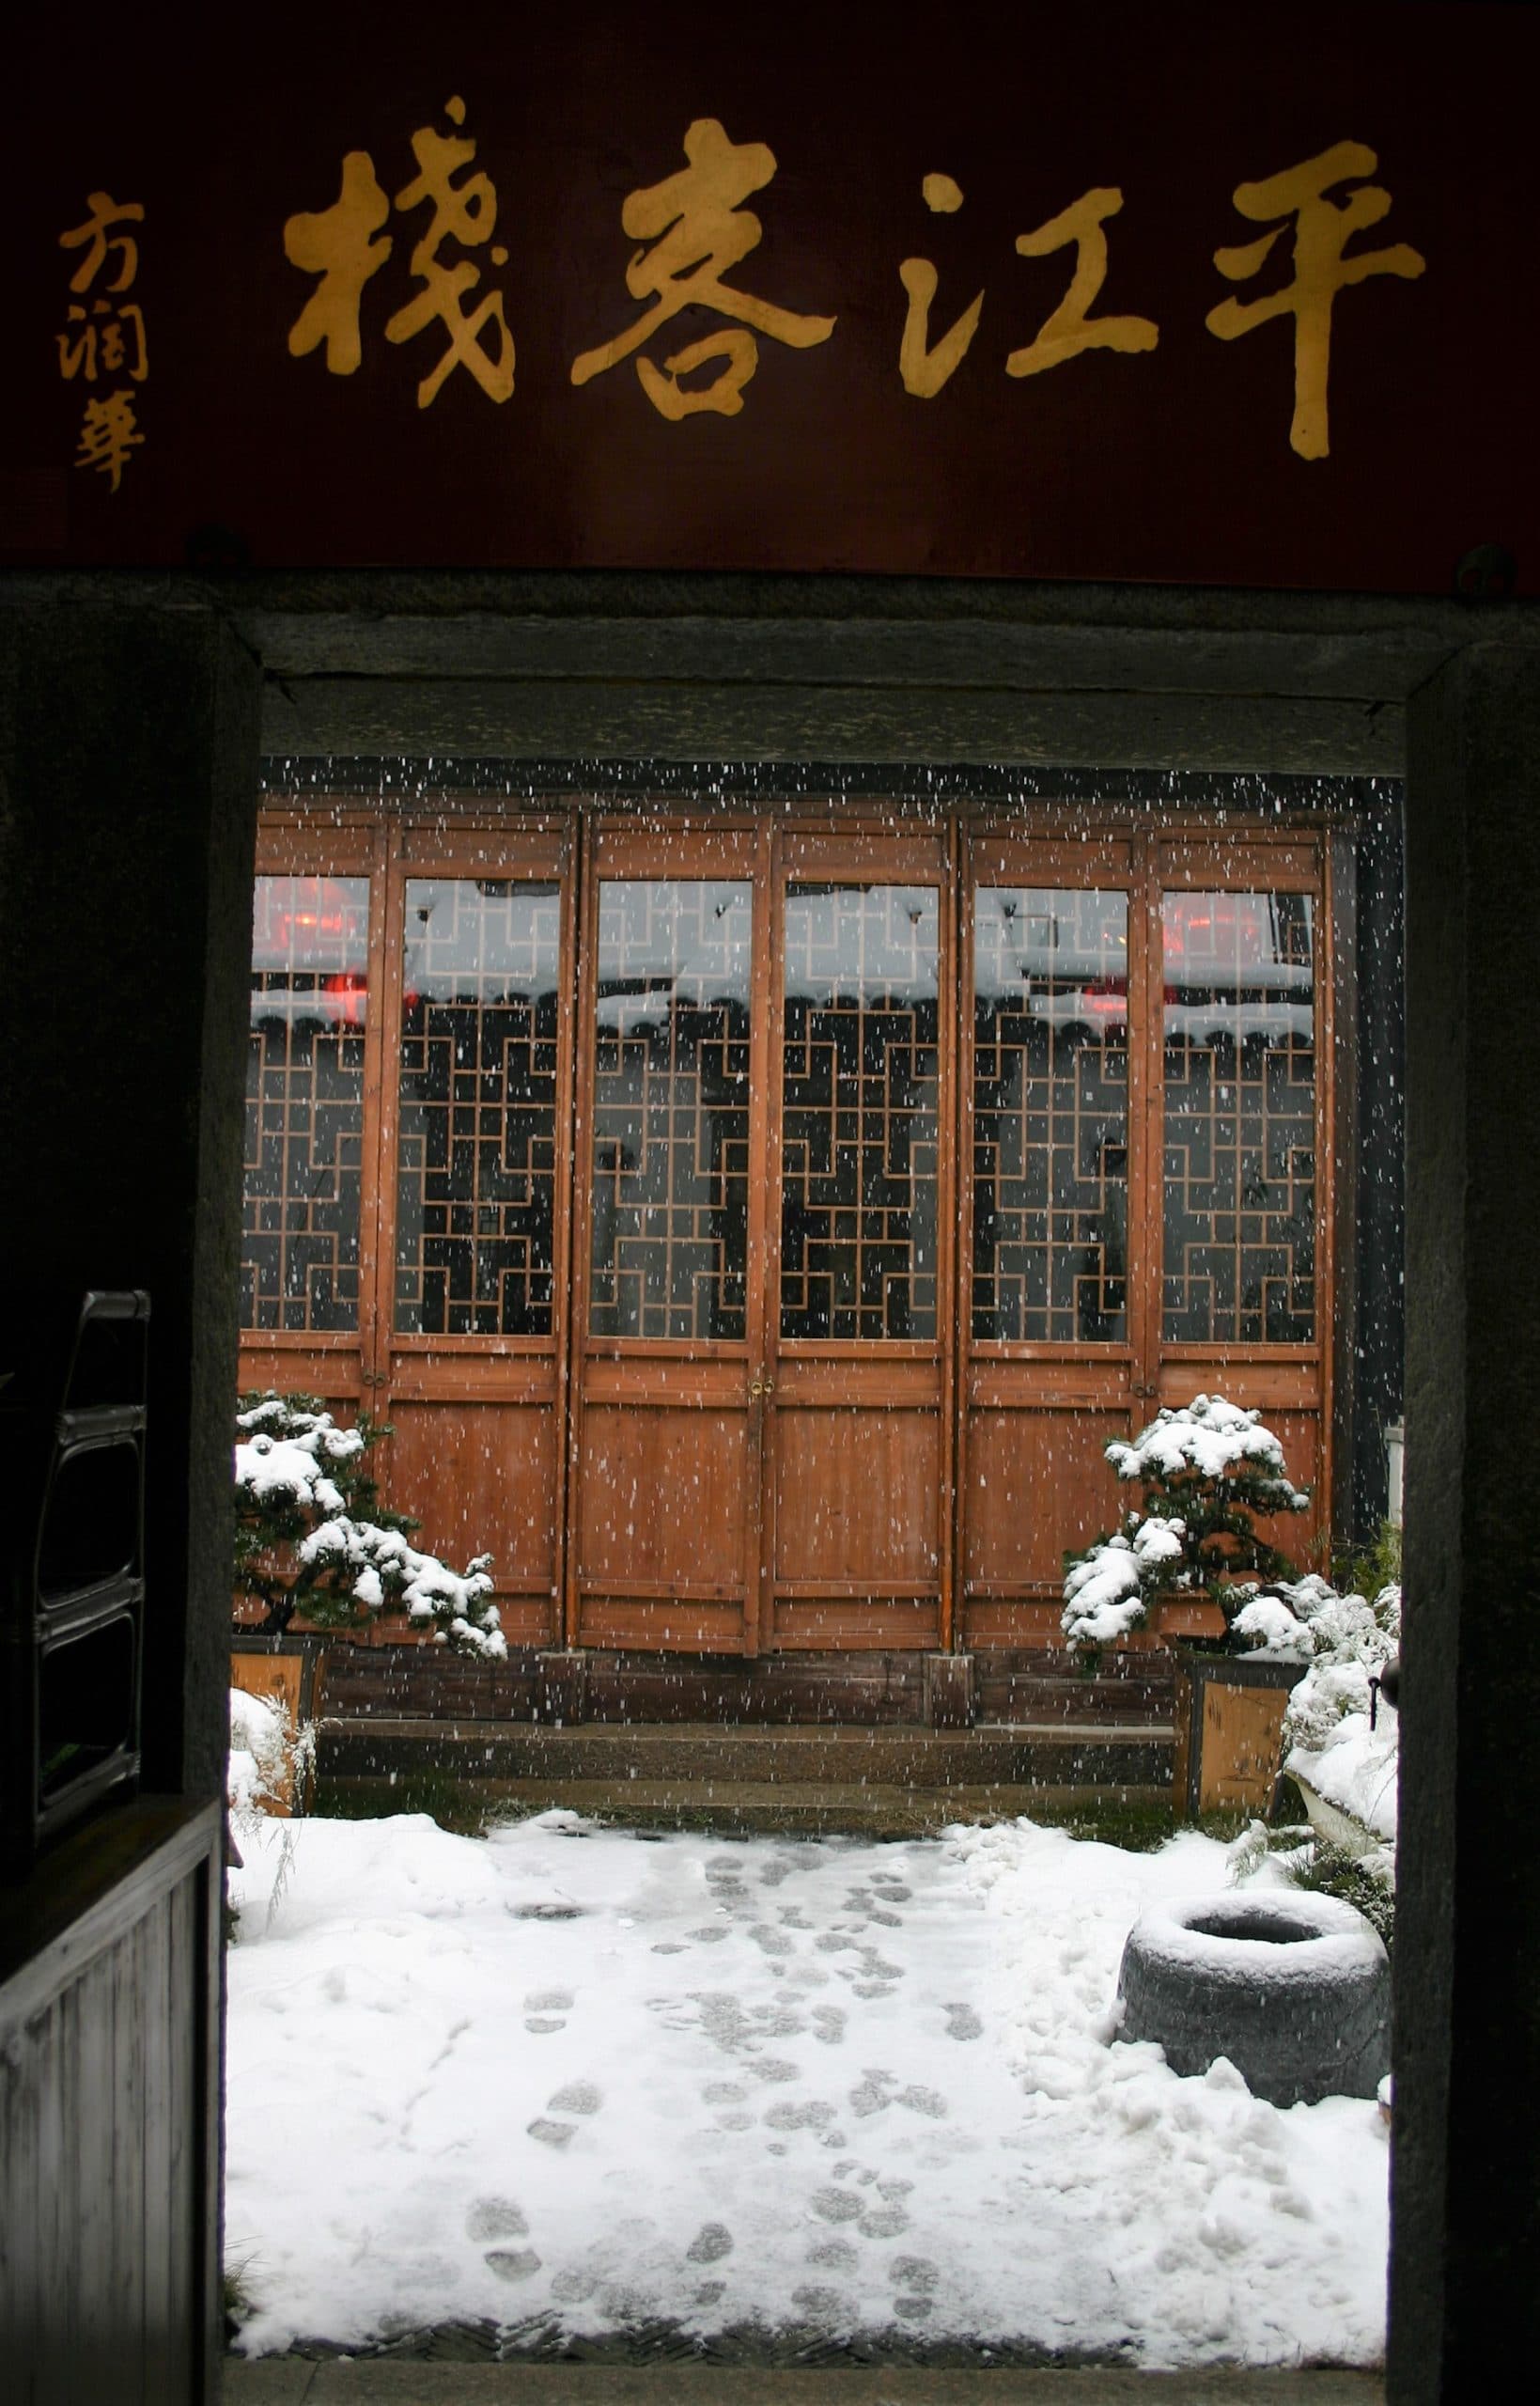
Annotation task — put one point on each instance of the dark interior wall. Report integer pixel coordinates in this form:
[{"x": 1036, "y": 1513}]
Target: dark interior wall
[
  {"x": 1379, "y": 1234},
  {"x": 128, "y": 781},
  {"x": 1465, "y": 2196}
]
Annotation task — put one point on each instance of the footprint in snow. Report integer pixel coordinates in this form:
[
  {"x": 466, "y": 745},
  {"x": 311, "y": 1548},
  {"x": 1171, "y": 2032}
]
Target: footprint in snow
[
  {"x": 835, "y": 2205},
  {"x": 545, "y": 2009},
  {"x": 829, "y": 2023},
  {"x": 872, "y": 2095},
  {"x": 512, "y": 2263},
  {"x": 577, "y": 2097},
  {"x": 711, "y": 2243},
  {"x": 809, "y": 2115},
  {"x": 495, "y": 2218},
  {"x": 915, "y": 2273},
  {"x": 963, "y": 2023},
  {"x": 821, "y": 2305},
  {"x": 923, "y": 2100},
  {"x": 552, "y": 2134}
]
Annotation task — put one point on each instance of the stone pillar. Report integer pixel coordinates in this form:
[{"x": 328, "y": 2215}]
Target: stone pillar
[
  {"x": 1464, "y": 2302},
  {"x": 129, "y": 749}
]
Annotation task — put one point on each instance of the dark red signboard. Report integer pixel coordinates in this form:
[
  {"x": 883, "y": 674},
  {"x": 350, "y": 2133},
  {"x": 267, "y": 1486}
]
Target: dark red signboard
[{"x": 1208, "y": 294}]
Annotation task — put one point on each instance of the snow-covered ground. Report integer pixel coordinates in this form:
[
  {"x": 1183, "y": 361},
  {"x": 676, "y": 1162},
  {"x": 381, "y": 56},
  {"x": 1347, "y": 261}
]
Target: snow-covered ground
[{"x": 577, "y": 2071}]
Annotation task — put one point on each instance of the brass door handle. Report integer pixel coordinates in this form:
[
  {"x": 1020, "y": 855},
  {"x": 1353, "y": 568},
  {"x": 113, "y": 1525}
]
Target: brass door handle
[{"x": 760, "y": 1387}]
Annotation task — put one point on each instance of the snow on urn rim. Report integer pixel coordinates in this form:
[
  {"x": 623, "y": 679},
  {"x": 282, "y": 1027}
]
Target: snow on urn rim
[{"x": 1279, "y": 1937}]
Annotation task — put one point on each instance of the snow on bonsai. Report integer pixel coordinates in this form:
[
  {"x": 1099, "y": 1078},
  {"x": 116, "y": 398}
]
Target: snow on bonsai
[
  {"x": 1338, "y": 1743},
  {"x": 314, "y": 1540},
  {"x": 1208, "y": 1470},
  {"x": 260, "y": 1756}
]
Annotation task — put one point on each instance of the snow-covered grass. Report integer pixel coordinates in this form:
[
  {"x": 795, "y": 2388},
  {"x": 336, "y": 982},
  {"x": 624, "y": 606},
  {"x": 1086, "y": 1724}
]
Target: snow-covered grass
[{"x": 575, "y": 2072}]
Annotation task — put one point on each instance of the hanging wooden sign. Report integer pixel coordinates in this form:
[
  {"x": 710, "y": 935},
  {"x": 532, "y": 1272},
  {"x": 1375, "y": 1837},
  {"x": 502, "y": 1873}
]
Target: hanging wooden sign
[{"x": 1200, "y": 295}]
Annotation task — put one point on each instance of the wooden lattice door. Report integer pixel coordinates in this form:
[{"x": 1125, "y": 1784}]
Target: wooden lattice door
[
  {"x": 858, "y": 1343},
  {"x": 1146, "y": 1110},
  {"x": 761, "y": 1423},
  {"x": 309, "y": 1301},
  {"x": 669, "y": 1242},
  {"x": 475, "y": 1169},
  {"x": 889, "y": 1174},
  {"x": 409, "y": 1117}
]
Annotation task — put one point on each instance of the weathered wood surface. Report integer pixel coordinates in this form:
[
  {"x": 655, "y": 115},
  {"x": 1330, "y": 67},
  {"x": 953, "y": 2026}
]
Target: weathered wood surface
[
  {"x": 277, "y": 1679},
  {"x": 109, "y": 2113},
  {"x": 875, "y": 1689},
  {"x": 614, "y": 718}
]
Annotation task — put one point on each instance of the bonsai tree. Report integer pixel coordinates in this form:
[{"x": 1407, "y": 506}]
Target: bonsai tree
[
  {"x": 313, "y": 1538},
  {"x": 1341, "y": 1740},
  {"x": 1207, "y": 1471}
]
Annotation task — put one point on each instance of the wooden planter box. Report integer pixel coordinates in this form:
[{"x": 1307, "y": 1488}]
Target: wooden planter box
[
  {"x": 1173, "y": 1617},
  {"x": 1229, "y": 1730},
  {"x": 285, "y": 1671}
]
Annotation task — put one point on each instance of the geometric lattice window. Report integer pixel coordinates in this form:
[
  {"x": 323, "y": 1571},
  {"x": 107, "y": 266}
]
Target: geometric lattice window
[
  {"x": 669, "y": 1252},
  {"x": 860, "y": 1112},
  {"x": 305, "y": 1103},
  {"x": 1050, "y": 1116},
  {"x": 1239, "y": 1119},
  {"x": 477, "y": 1139}
]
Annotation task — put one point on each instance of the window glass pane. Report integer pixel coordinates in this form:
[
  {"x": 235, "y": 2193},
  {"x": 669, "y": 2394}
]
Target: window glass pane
[
  {"x": 476, "y": 1150},
  {"x": 669, "y": 1255},
  {"x": 860, "y": 1095},
  {"x": 1050, "y": 1116},
  {"x": 1239, "y": 1119},
  {"x": 305, "y": 1103}
]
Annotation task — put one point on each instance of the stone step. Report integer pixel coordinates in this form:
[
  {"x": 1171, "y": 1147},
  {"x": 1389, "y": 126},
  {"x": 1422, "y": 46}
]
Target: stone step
[
  {"x": 767, "y": 1806},
  {"x": 675, "y": 1758}
]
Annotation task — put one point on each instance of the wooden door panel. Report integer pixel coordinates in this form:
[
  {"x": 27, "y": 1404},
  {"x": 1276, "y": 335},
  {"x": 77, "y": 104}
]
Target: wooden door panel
[
  {"x": 835, "y": 1625},
  {"x": 660, "y": 1624},
  {"x": 661, "y": 1511},
  {"x": 330, "y": 1373},
  {"x": 1239, "y": 996},
  {"x": 1038, "y": 1482},
  {"x": 1203, "y": 1248},
  {"x": 1053, "y": 1309},
  {"x": 663, "y": 1493},
  {"x": 857, "y": 1468},
  {"x": 855, "y": 1501},
  {"x": 1301, "y": 1536},
  {"x": 472, "y": 1202},
  {"x": 483, "y": 1478},
  {"x": 312, "y": 1109}
]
